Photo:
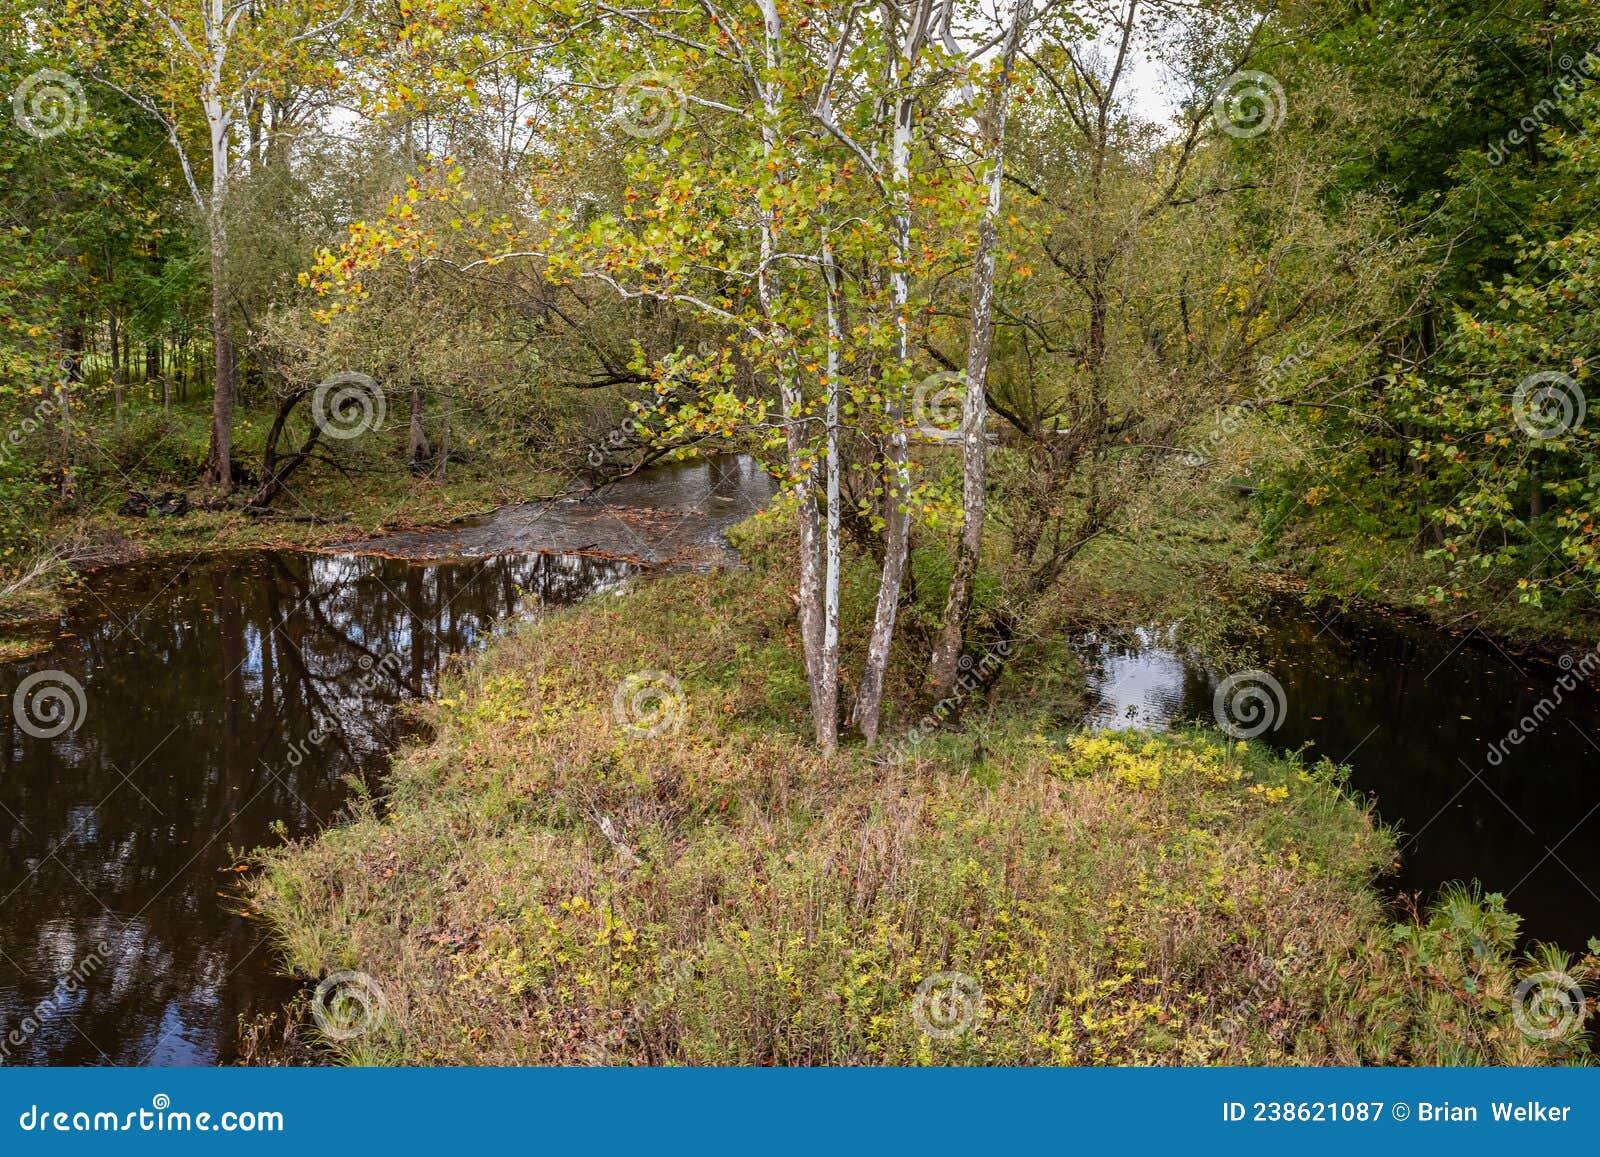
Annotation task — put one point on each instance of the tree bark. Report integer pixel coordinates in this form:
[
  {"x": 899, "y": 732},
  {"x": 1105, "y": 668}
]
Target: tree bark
[
  {"x": 219, "y": 462},
  {"x": 152, "y": 361},
  {"x": 868, "y": 709},
  {"x": 219, "y": 120},
  {"x": 946, "y": 657},
  {"x": 276, "y": 469},
  {"x": 418, "y": 451},
  {"x": 68, "y": 490},
  {"x": 444, "y": 453},
  {"x": 827, "y": 706},
  {"x": 116, "y": 361},
  {"x": 793, "y": 401}
]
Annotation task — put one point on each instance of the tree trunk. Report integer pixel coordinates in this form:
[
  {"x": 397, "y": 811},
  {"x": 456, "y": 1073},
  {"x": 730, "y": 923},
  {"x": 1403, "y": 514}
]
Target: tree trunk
[
  {"x": 275, "y": 468},
  {"x": 418, "y": 451},
  {"x": 974, "y": 409},
  {"x": 219, "y": 463},
  {"x": 827, "y": 705},
  {"x": 77, "y": 347},
  {"x": 868, "y": 709},
  {"x": 444, "y": 452},
  {"x": 116, "y": 362},
  {"x": 64, "y": 412},
  {"x": 810, "y": 594},
  {"x": 793, "y": 401}
]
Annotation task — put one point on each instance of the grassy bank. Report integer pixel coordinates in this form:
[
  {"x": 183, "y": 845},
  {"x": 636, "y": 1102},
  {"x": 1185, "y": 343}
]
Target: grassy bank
[
  {"x": 154, "y": 452},
  {"x": 547, "y": 886},
  {"x": 1200, "y": 561}
]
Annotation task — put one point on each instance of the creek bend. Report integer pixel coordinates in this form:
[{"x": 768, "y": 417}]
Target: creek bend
[{"x": 229, "y": 700}]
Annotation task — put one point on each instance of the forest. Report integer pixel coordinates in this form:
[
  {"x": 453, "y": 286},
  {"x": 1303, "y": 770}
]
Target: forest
[{"x": 742, "y": 532}]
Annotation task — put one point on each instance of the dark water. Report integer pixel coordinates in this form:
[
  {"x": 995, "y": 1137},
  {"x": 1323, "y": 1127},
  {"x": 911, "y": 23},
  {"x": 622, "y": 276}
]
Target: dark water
[
  {"x": 1421, "y": 717},
  {"x": 228, "y": 698},
  {"x": 219, "y": 698},
  {"x": 191, "y": 711}
]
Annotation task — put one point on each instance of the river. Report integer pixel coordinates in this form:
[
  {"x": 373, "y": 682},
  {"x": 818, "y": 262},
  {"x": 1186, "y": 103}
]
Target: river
[{"x": 193, "y": 709}]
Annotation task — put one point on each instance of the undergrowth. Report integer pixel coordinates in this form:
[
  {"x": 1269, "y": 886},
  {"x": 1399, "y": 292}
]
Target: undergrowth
[{"x": 545, "y": 886}]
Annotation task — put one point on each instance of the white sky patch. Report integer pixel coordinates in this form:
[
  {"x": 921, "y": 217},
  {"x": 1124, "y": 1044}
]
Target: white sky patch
[{"x": 1152, "y": 91}]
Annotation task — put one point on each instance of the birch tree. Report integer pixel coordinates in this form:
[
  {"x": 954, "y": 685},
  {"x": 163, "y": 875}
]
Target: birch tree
[
  {"x": 980, "y": 341},
  {"x": 196, "y": 67},
  {"x": 778, "y": 193}
]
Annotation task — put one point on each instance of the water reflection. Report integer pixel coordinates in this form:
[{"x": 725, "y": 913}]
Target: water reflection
[
  {"x": 1414, "y": 713},
  {"x": 666, "y": 516},
  {"x": 1143, "y": 681},
  {"x": 220, "y": 696}
]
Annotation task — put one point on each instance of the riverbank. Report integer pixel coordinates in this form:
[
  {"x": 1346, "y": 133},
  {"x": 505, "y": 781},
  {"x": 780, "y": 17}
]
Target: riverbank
[
  {"x": 1207, "y": 566},
  {"x": 1396, "y": 577},
  {"x": 324, "y": 506},
  {"x": 618, "y": 848}
]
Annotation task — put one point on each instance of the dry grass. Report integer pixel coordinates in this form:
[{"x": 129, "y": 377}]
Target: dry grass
[{"x": 546, "y": 888}]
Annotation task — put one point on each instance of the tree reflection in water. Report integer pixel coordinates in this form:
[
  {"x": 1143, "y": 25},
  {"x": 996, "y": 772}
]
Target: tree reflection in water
[{"x": 222, "y": 694}]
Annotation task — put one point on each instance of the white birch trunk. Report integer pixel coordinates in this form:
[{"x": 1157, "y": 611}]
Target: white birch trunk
[
  {"x": 867, "y": 714},
  {"x": 828, "y": 704},
  {"x": 793, "y": 402},
  {"x": 219, "y": 120},
  {"x": 946, "y": 659}
]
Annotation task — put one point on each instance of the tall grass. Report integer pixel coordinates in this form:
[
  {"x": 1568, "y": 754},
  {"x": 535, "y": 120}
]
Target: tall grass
[{"x": 546, "y": 887}]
